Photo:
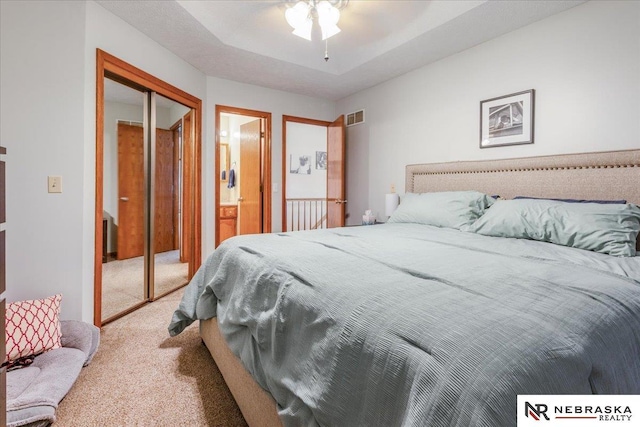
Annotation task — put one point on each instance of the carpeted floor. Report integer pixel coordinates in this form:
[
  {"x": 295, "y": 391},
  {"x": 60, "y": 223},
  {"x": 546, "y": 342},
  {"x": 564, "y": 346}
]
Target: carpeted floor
[
  {"x": 123, "y": 281},
  {"x": 142, "y": 377}
]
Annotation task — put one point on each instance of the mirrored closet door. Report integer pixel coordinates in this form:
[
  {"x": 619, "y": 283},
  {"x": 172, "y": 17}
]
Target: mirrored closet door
[
  {"x": 147, "y": 188},
  {"x": 123, "y": 263},
  {"x": 143, "y": 185},
  {"x": 170, "y": 262}
]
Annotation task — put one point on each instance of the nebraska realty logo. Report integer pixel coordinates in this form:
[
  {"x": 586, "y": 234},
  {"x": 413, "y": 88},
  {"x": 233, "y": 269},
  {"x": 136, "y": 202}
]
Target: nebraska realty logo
[{"x": 578, "y": 410}]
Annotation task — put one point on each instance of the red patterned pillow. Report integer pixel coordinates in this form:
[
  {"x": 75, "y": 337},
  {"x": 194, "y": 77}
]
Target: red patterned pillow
[{"x": 32, "y": 327}]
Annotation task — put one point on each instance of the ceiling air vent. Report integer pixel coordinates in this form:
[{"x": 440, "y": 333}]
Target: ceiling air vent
[{"x": 355, "y": 118}]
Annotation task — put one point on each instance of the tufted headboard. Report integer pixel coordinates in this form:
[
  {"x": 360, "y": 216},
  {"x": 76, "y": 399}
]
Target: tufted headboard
[{"x": 609, "y": 175}]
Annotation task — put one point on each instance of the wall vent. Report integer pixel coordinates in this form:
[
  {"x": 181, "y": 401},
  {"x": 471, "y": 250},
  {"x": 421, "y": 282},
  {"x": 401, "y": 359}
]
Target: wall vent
[{"x": 355, "y": 118}]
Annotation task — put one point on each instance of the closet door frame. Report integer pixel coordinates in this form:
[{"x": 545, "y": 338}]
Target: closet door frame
[{"x": 116, "y": 69}]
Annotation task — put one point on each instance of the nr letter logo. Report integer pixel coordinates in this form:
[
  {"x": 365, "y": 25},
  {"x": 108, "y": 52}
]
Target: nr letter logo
[{"x": 536, "y": 411}]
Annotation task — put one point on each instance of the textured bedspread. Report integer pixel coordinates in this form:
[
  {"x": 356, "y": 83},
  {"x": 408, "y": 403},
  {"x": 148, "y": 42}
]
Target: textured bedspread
[{"x": 411, "y": 325}]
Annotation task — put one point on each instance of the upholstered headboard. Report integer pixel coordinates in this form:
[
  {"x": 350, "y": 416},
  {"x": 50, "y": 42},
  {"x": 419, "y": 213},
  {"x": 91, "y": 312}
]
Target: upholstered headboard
[{"x": 610, "y": 175}]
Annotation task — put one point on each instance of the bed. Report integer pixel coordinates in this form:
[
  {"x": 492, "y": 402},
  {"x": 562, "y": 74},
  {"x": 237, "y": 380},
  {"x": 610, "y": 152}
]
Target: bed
[{"x": 407, "y": 324}]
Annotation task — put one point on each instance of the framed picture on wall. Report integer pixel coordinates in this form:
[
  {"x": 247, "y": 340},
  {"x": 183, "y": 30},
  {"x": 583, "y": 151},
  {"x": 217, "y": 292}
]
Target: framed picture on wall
[
  {"x": 300, "y": 164},
  {"x": 507, "y": 120},
  {"x": 321, "y": 160}
]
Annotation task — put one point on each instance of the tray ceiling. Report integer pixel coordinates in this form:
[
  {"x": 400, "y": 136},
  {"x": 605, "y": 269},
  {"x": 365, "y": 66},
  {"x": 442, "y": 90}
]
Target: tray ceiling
[{"x": 251, "y": 42}]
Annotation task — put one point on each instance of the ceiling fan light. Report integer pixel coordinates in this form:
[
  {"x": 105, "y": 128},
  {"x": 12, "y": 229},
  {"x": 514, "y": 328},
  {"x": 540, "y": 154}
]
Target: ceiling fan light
[
  {"x": 328, "y": 17},
  {"x": 300, "y": 18},
  {"x": 329, "y": 30},
  {"x": 327, "y": 14},
  {"x": 298, "y": 14},
  {"x": 304, "y": 29}
]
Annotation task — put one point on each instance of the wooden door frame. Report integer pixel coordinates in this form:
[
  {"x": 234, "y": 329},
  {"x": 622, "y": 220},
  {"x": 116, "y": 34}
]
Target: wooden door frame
[
  {"x": 187, "y": 177},
  {"x": 292, "y": 119},
  {"x": 265, "y": 160},
  {"x": 125, "y": 73},
  {"x": 176, "y": 180}
]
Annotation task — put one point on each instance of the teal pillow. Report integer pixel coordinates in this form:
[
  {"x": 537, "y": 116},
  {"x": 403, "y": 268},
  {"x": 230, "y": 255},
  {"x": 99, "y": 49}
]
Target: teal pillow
[
  {"x": 451, "y": 209},
  {"x": 606, "y": 228}
]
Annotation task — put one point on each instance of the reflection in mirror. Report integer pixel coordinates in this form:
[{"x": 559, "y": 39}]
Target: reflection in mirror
[
  {"x": 170, "y": 271},
  {"x": 225, "y": 157},
  {"x": 230, "y": 159},
  {"x": 123, "y": 200}
]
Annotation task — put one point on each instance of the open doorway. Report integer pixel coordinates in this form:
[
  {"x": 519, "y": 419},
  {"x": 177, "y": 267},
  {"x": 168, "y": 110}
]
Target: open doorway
[
  {"x": 243, "y": 172},
  {"x": 313, "y": 173}
]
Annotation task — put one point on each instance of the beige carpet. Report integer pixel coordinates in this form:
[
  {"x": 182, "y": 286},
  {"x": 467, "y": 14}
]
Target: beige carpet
[
  {"x": 123, "y": 281},
  {"x": 142, "y": 377}
]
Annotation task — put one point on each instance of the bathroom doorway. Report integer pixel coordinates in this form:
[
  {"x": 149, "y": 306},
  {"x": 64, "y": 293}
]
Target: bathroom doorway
[{"x": 243, "y": 172}]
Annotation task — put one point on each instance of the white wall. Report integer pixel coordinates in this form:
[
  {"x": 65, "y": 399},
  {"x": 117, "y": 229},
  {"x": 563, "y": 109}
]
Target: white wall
[
  {"x": 306, "y": 139},
  {"x": 583, "y": 63},
  {"x": 230, "y": 93},
  {"x": 42, "y": 60},
  {"x": 176, "y": 112},
  {"x": 311, "y": 183},
  {"x": 47, "y": 80}
]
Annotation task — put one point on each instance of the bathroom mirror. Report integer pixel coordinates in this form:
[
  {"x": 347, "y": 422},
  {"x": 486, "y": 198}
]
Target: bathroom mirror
[{"x": 225, "y": 157}]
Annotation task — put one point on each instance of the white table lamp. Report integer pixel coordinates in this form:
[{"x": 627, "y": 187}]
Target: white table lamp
[{"x": 391, "y": 202}]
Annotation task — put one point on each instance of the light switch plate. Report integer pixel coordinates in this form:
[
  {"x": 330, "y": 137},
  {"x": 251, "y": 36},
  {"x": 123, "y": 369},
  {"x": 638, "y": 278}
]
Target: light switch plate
[{"x": 55, "y": 184}]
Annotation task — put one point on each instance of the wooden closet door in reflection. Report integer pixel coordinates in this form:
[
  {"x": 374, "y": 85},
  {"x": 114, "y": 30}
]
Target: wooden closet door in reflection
[
  {"x": 130, "y": 191},
  {"x": 165, "y": 192}
]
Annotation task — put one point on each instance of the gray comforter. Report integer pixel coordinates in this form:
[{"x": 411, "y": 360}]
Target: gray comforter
[{"x": 403, "y": 324}]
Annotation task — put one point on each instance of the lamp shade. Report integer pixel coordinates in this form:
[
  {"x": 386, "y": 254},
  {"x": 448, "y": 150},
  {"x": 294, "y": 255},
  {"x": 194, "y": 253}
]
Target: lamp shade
[
  {"x": 304, "y": 29},
  {"x": 328, "y": 17},
  {"x": 299, "y": 18},
  {"x": 297, "y": 14},
  {"x": 329, "y": 30},
  {"x": 391, "y": 202}
]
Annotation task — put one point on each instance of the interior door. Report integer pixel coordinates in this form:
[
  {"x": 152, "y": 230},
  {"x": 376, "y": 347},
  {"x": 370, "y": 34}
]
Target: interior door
[
  {"x": 164, "y": 192},
  {"x": 249, "y": 179},
  {"x": 130, "y": 191},
  {"x": 335, "y": 174}
]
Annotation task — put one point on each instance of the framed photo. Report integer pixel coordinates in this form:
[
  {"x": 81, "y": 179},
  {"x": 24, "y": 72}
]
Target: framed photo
[
  {"x": 321, "y": 160},
  {"x": 507, "y": 120},
  {"x": 300, "y": 164}
]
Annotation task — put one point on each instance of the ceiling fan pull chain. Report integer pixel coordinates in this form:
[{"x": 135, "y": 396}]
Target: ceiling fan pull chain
[{"x": 326, "y": 50}]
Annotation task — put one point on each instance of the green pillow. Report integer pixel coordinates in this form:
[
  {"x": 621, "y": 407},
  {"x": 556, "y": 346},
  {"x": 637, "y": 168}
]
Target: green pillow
[
  {"x": 609, "y": 229},
  {"x": 452, "y": 209}
]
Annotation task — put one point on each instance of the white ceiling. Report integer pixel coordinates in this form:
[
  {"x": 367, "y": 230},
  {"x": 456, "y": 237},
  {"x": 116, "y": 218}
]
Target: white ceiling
[{"x": 251, "y": 42}]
